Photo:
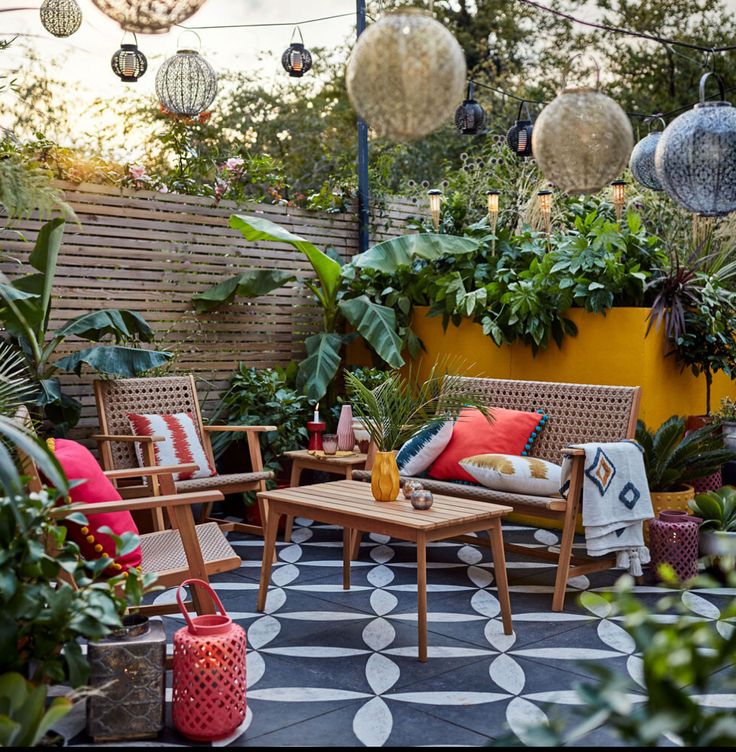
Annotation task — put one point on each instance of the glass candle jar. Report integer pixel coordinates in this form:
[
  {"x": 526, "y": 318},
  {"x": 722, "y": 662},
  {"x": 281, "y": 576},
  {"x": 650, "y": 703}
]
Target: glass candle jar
[{"x": 329, "y": 443}]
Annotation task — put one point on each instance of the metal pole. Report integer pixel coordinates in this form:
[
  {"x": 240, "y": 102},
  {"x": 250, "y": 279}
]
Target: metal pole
[{"x": 364, "y": 215}]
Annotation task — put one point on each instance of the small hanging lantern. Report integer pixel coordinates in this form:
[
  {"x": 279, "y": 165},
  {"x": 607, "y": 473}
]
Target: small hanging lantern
[
  {"x": 545, "y": 206},
  {"x": 186, "y": 84},
  {"x": 208, "y": 700},
  {"x": 129, "y": 63},
  {"x": 60, "y": 17},
  {"x": 435, "y": 204},
  {"x": 297, "y": 59},
  {"x": 641, "y": 163},
  {"x": 695, "y": 158},
  {"x": 582, "y": 140},
  {"x": 618, "y": 192},
  {"x": 470, "y": 117},
  {"x": 406, "y": 75},
  {"x": 519, "y": 136},
  {"x": 146, "y": 16}
]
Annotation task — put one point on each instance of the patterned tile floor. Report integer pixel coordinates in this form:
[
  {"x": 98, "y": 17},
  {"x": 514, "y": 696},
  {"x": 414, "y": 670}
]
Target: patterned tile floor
[{"x": 328, "y": 667}]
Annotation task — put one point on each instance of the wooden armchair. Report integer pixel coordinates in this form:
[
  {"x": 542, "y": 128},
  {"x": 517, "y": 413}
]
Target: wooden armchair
[{"x": 167, "y": 395}]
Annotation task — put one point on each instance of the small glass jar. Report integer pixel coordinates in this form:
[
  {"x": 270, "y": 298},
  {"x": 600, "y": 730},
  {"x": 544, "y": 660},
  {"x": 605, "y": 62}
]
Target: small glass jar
[{"x": 329, "y": 443}]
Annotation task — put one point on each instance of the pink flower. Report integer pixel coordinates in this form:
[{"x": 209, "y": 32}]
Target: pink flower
[
  {"x": 234, "y": 163},
  {"x": 163, "y": 189},
  {"x": 138, "y": 172}
]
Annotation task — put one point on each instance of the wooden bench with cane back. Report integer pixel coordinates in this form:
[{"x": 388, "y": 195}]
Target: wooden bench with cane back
[{"x": 577, "y": 414}]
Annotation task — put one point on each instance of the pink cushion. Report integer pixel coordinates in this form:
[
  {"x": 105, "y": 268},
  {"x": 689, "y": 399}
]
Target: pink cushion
[
  {"x": 78, "y": 463},
  {"x": 511, "y": 432}
]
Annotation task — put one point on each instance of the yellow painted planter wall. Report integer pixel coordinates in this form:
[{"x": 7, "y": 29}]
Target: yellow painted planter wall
[{"x": 610, "y": 349}]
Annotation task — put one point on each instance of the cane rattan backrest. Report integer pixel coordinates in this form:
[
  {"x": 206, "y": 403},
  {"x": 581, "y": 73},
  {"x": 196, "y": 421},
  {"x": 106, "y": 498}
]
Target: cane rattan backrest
[
  {"x": 163, "y": 395},
  {"x": 578, "y": 413}
]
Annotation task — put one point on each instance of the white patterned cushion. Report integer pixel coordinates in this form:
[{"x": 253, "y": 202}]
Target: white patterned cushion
[
  {"x": 509, "y": 472},
  {"x": 423, "y": 448}
]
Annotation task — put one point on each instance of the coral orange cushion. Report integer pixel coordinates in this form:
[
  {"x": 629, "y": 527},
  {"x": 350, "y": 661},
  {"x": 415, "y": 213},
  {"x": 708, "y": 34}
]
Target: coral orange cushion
[
  {"x": 511, "y": 432},
  {"x": 79, "y": 464}
]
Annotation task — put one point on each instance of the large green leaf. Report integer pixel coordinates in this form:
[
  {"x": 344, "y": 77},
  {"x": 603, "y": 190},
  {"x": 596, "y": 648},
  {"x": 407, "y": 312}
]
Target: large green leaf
[
  {"x": 326, "y": 268},
  {"x": 377, "y": 325},
  {"x": 19, "y": 311},
  {"x": 122, "y": 324},
  {"x": 250, "y": 284},
  {"x": 391, "y": 255},
  {"x": 44, "y": 257},
  {"x": 319, "y": 368},
  {"x": 114, "y": 360}
]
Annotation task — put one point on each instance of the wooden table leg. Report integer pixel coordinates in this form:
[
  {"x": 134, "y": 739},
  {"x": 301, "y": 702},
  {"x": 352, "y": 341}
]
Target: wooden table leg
[
  {"x": 422, "y": 596},
  {"x": 347, "y": 539},
  {"x": 296, "y": 474},
  {"x": 269, "y": 548},
  {"x": 355, "y": 544},
  {"x": 499, "y": 570}
]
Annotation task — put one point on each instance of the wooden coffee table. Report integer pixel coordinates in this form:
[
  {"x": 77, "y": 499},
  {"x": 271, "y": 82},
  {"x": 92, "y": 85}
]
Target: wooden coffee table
[{"x": 350, "y": 505}]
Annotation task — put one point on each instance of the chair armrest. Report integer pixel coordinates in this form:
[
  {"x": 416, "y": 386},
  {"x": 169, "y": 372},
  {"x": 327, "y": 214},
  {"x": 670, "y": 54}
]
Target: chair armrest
[
  {"x": 131, "y": 505},
  {"x": 141, "y": 439},
  {"x": 137, "y": 472},
  {"x": 240, "y": 429},
  {"x": 573, "y": 452}
]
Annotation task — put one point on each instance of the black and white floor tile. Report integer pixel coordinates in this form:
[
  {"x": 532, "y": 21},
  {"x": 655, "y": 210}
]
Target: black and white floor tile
[{"x": 328, "y": 667}]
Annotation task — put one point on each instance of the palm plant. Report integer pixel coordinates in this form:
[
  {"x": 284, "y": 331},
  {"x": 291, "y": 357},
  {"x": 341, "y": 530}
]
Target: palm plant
[{"x": 672, "y": 457}]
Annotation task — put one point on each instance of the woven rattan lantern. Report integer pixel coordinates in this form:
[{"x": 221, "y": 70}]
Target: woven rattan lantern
[
  {"x": 696, "y": 156},
  {"x": 435, "y": 207},
  {"x": 470, "y": 117},
  {"x": 129, "y": 63},
  {"x": 519, "y": 136},
  {"x": 406, "y": 75},
  {"x": 60, "y": 17},
  {"x": 582, "y": 140},
  {"x": 149, "y": 16},
  {"x": 641, "y": 163},
  {"x": 297, "y": 59},
  {"x": 186, "y": 84}
]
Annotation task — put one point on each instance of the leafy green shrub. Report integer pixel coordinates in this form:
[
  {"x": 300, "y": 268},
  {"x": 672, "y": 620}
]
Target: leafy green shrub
[{"x": 717, "y": 509}]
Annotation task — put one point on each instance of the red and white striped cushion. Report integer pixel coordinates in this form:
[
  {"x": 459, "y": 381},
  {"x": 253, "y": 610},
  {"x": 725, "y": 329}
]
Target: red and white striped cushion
[{"x": 181, "y": 444}]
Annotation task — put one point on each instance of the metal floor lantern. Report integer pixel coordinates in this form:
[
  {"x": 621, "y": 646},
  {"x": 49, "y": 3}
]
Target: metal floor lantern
[
  {"x": 149, "y": 16},
  {"x": 60, "y": 17},
  {"x": 470, "y": 117},
  {"x": 696, "y": 156},
  {"x": 642, "y": 159},
  {"x": 186, "y": 84},
  {"x": 129, "y": 63},
  {"x": 406, "y": 75},
  {"x": 519, "y": 136},
  {"x": 582, "y": 140},
  {"x": 297, "y": 59}
]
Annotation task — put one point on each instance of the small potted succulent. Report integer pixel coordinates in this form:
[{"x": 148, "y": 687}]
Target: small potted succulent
[
  {"x": 727, "y": 418},
  {"x": 717, "y": 509}
]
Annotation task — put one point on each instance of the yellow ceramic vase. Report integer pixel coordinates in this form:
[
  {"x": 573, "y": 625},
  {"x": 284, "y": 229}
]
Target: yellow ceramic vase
[{"x": 385, "y": 481}]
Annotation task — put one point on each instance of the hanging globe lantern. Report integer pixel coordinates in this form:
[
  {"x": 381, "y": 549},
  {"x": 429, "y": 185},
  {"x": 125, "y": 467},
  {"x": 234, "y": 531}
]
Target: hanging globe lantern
[
  {"x": 60, "y": 17},
  {"x": 297, "y": 59},
  {"x": 470, "y": 117},
  {"x": 129, "y": 63},
  {"x": 642, "y": 160},
  {"x": 519, "y": 136},
  {"x": 696, "y": 156},
  {"x": 149, "y": 16},
  {"x": 582, "y": 140},
  {"x": 406, "y": 75},
  {"x": 186, "y": 84}
]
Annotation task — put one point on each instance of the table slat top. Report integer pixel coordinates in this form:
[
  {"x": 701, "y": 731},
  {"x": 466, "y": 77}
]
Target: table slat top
[
  {"x": 304, "y": 454},
  {"x": 354, "y": 499}
]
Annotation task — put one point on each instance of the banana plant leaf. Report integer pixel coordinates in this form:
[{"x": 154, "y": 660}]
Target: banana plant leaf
[
  {"x": 114, "y": 360},
  {"x": 250, "y": 284},
  {"x": 320, "y": 367},
  {"x": 391, "y": 255},
  {"x": 326, "y": 268},
  {"x": 377, "y": 325},
  {"x": 44, "y": 257},
  {"x": 18, "y": 310},
  {"x": 122, "y": 324}
]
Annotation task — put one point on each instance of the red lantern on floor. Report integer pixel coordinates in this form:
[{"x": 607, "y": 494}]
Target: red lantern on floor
[
  {"x": 673, "y": 539},
  {"x": 209, "y": 673}
]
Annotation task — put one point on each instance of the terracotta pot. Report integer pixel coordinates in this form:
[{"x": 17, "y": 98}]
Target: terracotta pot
[
  {"x": 694, "y": 422},
  {"x": 664, "y": 500},
  {"x": 385, "y": 481}
]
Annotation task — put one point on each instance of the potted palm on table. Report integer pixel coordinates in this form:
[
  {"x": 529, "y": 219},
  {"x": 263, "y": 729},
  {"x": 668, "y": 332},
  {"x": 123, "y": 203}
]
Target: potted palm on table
[{"x": 400, "y": 407}]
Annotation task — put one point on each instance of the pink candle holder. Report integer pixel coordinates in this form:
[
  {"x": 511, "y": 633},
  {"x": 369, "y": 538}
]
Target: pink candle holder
[{"x": 316, "y": 428}]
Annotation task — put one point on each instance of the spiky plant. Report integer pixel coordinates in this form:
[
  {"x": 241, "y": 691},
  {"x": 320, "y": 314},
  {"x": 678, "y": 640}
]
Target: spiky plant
[{"x": 16, "y": 385}]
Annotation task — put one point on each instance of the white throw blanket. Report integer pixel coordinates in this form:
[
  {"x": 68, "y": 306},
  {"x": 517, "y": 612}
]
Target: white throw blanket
[{"x": 616, "y": 501}]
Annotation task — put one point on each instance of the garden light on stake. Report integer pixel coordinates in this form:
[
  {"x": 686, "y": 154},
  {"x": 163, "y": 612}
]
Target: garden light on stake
[
  {"x": 618, "y": 190},
  {"x": 60, "y": 17},
  {"x": 493, "y": 212},
  {"x": 129, "y": 63},
  {"x": 545, "y": 206},
  {"x": 297, "y": 59},
  {"x": 470, "y": 117},
  {"x": 435, "y": 203}
]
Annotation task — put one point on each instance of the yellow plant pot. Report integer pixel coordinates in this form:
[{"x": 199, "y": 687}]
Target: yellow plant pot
[
  {"x": 385, "y": 481},
  {"x": 662, "y": 500}
]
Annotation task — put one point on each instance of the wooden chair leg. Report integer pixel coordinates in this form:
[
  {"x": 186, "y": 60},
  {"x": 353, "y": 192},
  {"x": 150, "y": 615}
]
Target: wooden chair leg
[{"x": 568, "y": 534}]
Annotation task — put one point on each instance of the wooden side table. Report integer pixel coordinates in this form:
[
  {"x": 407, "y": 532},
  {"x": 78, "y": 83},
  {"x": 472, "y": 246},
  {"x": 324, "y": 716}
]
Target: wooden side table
[{"x": 303, "y": 460}]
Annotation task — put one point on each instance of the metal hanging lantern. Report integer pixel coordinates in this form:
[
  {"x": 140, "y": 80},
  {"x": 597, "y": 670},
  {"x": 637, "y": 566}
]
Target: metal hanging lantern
[
  {"x": 406, "y": 75},
  {"x": 582, "y": 140},
  {"x": 149, "y": 16},
  {"x": 642, "y": 160},
  {"x": 519, "y": 136},
  {"x": 297, "y": 59},
  {"x": 60, "y": 17},
  {"x": 186, "y": 84},
  {"x": 470, "y": 117},
  {"x": 129, "y": 63},
  {"x": 695, "y": 158}
]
